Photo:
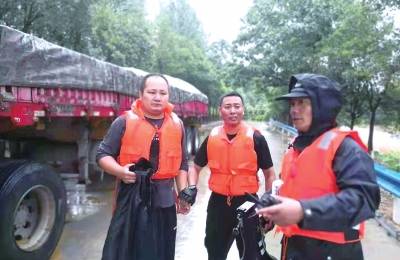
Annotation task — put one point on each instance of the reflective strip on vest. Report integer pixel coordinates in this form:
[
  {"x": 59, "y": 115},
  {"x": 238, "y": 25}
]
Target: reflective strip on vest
[
  {"x": 326, "y": 140},
  {"x": 250, "y": 132},
  {"x": 215, "y": 131},
  {"x": 175, "y": 118},
  {"x": 131, "y": 115}
]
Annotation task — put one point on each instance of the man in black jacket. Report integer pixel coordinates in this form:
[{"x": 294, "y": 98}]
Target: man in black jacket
[{"x": 329, "y": 187}]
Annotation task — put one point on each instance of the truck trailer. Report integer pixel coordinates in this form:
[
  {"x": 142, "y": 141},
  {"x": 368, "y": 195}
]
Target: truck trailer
[{"x": 55, "y": 107}]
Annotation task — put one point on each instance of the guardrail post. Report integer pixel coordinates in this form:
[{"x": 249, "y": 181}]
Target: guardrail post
[{"x": 396, "y": 210}]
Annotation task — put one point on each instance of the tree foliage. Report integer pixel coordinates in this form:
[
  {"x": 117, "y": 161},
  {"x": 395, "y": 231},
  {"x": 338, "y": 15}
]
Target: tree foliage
[
  {"x": 360, "y": 51},
  {"x": 280, "y": 38},
  {"x": 121, "y": 34},
  {"x": 183, "y": 20},
  {"x": 60, "y": 21},
  {"x": 179, "y": 48},
  {"x": 353, "y": 42}
]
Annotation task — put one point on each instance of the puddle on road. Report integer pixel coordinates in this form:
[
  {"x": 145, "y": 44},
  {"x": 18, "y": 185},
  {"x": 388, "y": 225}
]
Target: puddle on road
[{"x": 81, "y": 203}]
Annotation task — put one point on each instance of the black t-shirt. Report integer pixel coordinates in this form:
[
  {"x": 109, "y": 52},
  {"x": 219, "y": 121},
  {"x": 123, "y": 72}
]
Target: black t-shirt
[{"x": 264, "y": 160}]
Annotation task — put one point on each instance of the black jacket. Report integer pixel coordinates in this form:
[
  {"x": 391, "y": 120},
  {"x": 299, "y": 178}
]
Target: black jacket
[
  {"x": 357, "y": 201},
  {"x": 359, "y": 194}
]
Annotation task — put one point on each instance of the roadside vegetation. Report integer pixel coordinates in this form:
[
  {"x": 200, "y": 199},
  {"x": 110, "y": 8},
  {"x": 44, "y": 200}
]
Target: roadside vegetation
[{"x": 389, "y": 159}]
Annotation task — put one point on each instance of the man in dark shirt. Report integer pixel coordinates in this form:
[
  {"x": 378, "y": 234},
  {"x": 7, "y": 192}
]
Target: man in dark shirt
[
  {"x": 150, "y": 130},
  {"x": 110, "y": 146},
  {"x": 234, "y": 153}
]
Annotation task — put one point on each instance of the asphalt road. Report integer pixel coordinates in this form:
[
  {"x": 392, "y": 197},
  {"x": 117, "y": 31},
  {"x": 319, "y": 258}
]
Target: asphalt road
[{"x": 84, "y": 239}]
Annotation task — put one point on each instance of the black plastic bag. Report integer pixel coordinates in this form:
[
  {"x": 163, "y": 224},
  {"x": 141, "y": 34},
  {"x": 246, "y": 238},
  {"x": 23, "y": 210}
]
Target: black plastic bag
[{"x": 130, "y": 235}]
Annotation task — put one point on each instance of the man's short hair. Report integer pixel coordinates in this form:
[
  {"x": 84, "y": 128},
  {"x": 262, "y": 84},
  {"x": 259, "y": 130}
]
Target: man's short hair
[
  {"x": 230, "y": 94},
  {"x": 150, "y": 75}
]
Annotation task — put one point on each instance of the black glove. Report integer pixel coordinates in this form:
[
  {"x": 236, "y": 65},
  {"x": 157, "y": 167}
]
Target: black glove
[
  {"x": 188, "y": 194},
  {"x": 268, "y": 200}
]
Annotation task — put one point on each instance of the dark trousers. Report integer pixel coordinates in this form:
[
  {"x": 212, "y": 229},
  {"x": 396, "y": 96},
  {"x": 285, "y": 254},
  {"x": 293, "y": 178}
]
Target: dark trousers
[
  {"x": 160, "y": 243},
  {"x": 165, "y": 226},
  {"x": 303, "y": 248},
  {"x": 221, "y": 220},
  {"x": 139, "y": 231}
]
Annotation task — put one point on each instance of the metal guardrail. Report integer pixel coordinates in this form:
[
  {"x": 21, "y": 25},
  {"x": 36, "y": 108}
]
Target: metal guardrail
[
  {"x": 284, "y": 127},
  {"x": 387, "y": 178}
]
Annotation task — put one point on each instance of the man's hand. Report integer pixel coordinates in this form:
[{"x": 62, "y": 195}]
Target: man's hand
[
  {"x": 288, "y": 212},
  {"x": 127, "y": 176},
  {"x": 182, "y": 207},
  {"x": 188, "y": 194},
  {"x": 266, "y": 224}
]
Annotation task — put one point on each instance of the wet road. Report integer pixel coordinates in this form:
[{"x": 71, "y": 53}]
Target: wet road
[{"x": 84, "y": 239}]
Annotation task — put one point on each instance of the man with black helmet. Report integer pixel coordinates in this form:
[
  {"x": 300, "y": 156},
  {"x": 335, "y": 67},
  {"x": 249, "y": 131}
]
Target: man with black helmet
[{"x": 329, "y": 185}]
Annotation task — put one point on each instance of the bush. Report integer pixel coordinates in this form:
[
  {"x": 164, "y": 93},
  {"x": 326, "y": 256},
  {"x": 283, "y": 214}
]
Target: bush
[{"x": 389, "y": 159}]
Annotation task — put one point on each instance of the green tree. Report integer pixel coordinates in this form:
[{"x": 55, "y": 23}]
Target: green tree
[
  {"x": 67, "y": 23},
  {"x": 279, "y": 39},
  {"x": 343, "y": 54},
  {"x": 349, "y": 41},
  {"x": 121, "y": 35},
  {"x": 179, "y": 50},
  {"x": 59, "y": 21},
  {"x": 382, "y": 4},
  {"x": 180, "y": 57},
  {"x": 390, "y": 108},
  {"x": 183, "y": 20},
  {"x": 21, "y": 14},
  {"x": 359, "y": 52}
]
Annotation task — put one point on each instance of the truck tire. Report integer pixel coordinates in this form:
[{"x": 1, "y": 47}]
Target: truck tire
[{"x": 33, "y": 206}]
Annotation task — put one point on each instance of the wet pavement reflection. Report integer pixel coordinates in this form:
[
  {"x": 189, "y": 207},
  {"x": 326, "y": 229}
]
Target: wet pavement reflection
[{"x": 83, "y": 236}]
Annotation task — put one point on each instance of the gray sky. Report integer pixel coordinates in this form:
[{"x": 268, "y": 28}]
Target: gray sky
[{"x": 221, "y": 19}]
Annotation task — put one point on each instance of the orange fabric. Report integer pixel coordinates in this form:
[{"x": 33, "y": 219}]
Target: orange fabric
[
  {"x": 233, "y": 163},
  {"x": 139, "y": 133},
  {"x": 310, "y": 175}
]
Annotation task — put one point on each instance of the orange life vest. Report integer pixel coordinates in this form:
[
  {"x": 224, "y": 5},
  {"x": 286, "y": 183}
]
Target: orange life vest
[
  {"x": 139, "y": 134},
  {"x": 233, "y": 163},
  {"x": 310, "y": 175}
]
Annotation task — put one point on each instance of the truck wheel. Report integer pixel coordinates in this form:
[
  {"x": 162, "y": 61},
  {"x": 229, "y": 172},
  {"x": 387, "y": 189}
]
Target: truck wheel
[{"x": 33, "y": 205}]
